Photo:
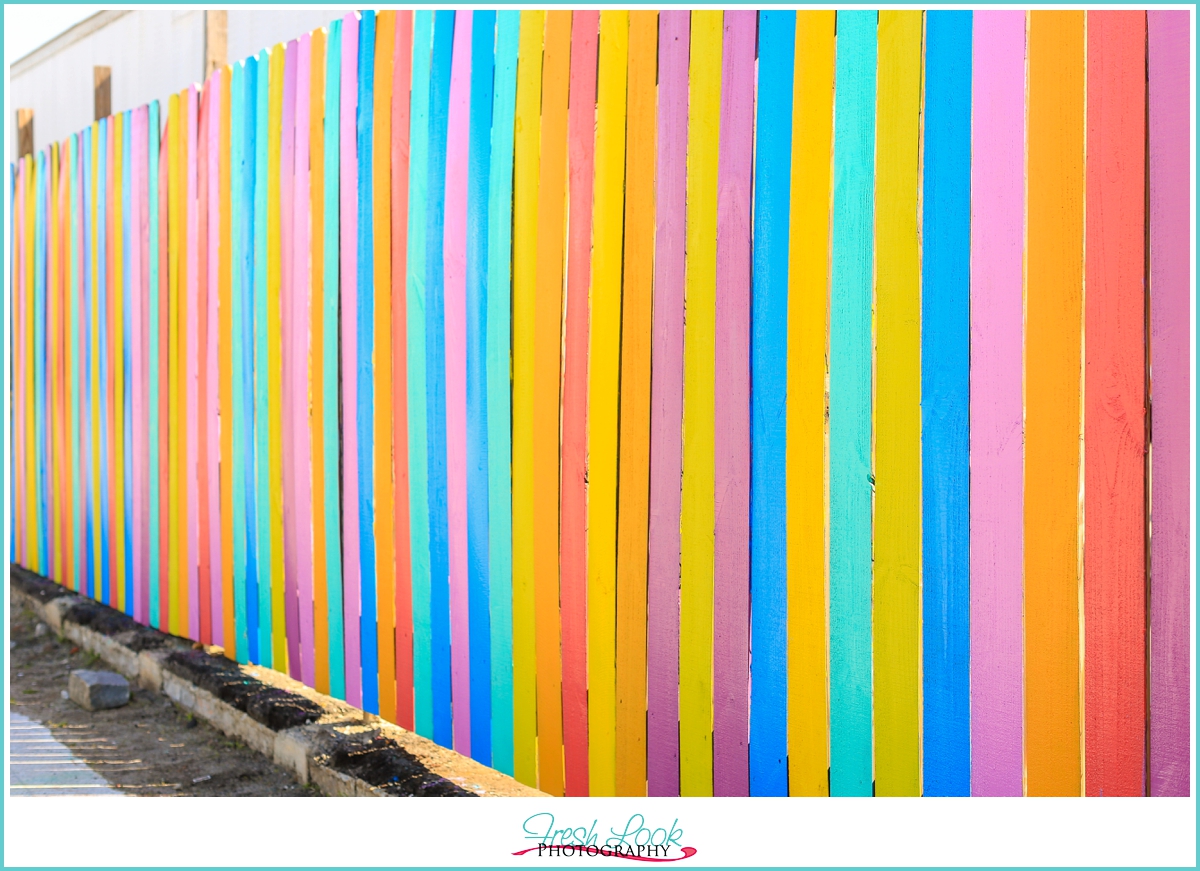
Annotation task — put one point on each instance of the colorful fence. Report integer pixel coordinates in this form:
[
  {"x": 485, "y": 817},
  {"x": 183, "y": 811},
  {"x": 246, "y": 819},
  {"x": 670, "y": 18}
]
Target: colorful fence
[{"x": 367, "y": 360}]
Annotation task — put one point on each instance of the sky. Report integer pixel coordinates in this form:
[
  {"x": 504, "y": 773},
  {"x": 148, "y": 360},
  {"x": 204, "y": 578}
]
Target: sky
[{"x": 28, "y": 26}]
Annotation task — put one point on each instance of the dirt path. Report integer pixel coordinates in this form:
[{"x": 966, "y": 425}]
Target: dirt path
[{"x": 147, "y": 747}]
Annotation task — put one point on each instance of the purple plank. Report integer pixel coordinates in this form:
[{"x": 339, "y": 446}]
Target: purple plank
[
  {"x": 1168, "y": 33},
  {"x": 666, "y": 409}
]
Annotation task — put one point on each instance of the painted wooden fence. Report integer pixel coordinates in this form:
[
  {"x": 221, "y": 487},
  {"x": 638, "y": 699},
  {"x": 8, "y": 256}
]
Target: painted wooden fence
[{"x": 367, "y": 361}]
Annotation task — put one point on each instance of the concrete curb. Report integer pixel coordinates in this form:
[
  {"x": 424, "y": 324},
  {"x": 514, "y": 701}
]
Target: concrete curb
[{"x": 323, "y": 741}]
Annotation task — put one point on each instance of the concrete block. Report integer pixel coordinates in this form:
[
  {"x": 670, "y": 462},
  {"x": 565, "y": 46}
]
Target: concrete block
[
  {"x": 150, "y": 673},
  {"x": 331, "y": 782},
  {"x": 97, "y": 690},
  {"x": 291, "y": 752},
  {"x": 52, "y": 612}
]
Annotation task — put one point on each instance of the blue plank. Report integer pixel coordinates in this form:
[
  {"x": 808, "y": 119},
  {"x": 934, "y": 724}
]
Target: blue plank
[
  {"x": 88, "y": 552},
  {"x": 127, "y": 362},
  {"x": 102, "y": 592},
  {"x": 945, "y": 389},
  {"x": 850, "y": 481},
  {"x": 435, "y": 377},
  {"x": 258, "y": 330},
  {"x": 768, "y": 406},
  {"x": 366, "y": 378},
  {"x": 483, "y": 38}
]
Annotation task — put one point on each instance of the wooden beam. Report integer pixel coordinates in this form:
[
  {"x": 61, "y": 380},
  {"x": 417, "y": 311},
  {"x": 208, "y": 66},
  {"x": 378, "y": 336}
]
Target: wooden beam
[
  {"x": 24, "y": 132},
  {"x": 102, "y": 90},
  {"x": 216, "y": 40}
]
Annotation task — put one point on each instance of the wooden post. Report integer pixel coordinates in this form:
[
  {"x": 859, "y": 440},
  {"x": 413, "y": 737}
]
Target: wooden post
[
  {"x": 102, "y": 84},
  {"x": 216, "y": 39},
  {"x": 24, "y": 132}
]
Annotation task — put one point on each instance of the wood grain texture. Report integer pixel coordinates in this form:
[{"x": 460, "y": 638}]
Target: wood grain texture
[
  {"x": 603, "y": 400},
  {"x": 697, "y": 514},
  {"x": 402, "y": 599},
  {"x": 581, "y": 162},
  {"x": 633, "y": 483},
  {"x": 455, "y": 252},
  {"x": 547, "y": 372},
  {"x": 896, "y": 599},
  {"x": 806, "y": 426},
  {"x": 316, "y": 217},
  {"x": 768, "y": 404},
  {"x": 945, "y": 401},
  {"x": 1170, "y": 511},
  {"x": 524, "y": 290},
  {"x": 850, "y": 469},
  {"x": 731, "y": 407},
  {"x": 418, "y": 456},
  {"x": 499, "y": 400},
  {"x": 348, "y": 223},
  {"x": 1053, "y": 396},
  {"x": 1114, "y": 406},
  {"x": 483, "y": 42},
  {"x": 666, "y": 408},
  {"x": 997, "y": 223},
  {"x": 384, "y": 481}
]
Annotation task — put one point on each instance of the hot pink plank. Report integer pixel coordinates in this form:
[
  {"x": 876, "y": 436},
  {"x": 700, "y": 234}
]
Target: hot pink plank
[
  {"x": 997, "y": 233},
  {"x": 137, "y": 250},
  {"x": 290, "y": 361},
  {"x": 191, "y": 370},
  {"x": 212, "y": 381},
  {"x": 351, "y": 578},
  {"x": 666, "y": 409},
  {"x": 455, "y": 252},
  {"x": 1170, "y": 314}
]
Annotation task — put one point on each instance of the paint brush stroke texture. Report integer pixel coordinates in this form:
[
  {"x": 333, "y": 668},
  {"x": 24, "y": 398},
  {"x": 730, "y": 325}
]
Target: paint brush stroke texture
[{"x": 646, "y": 403}]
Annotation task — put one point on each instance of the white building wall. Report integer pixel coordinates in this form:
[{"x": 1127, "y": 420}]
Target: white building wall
[{"x": 153, "y": 53}]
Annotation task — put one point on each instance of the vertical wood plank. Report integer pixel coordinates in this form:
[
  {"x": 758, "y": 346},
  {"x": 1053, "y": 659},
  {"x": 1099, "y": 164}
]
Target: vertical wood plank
[
  {"x": 321, "y": 530},
  {"x": 455, "y": 254},
  {"x": 666, "y": 408},
  {"x": 204, "y": 484},
  {"x": 1170, "y": 181},
  {"x": 289, "y": 415},
  {"x": 272, "y": 372},
  {"x": 633, "y": 483},
  {"x": 945, "y": 399},
  {"x": 731, "y": 407},
  {"x": 191, "y": 305},
  {"x": 1114, "y": 406},
  {"x": 850, "y": 460},
  {"x": 225, "y": 354},
  {"x": 897, "y": 544},
  {"x": 581, "y": 162},
  {"x": 524, "y": 283},
  {"x": 1053, "y": 391},
  {"x": 697, "y": 514},
  {"x": 241, "y": 283},
  {"x": 997, "y": 236},
  {"x": 603, "y": 398}
]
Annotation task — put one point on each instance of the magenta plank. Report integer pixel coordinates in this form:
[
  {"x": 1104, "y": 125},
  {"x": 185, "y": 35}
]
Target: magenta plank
[
  {"x": 192, "y": 368},
  {"x": 211, "y": 357},
  {"x": 1168, "y": 33},
  {"x": 666, "y": 409},
  {"x": 997, "y": 234}
]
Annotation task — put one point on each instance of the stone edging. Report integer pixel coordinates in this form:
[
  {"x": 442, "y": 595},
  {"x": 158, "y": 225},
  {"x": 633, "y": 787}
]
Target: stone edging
[{"x": 339, "y": 749}]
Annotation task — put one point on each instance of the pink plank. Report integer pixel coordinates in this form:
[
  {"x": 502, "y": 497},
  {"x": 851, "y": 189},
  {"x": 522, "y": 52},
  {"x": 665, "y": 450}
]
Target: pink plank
[
  {"x": 997, "y": 232},
  {"x": 351, "y": 578},
  {"x": 192, "y": 371},
  {"x": 299, "y": 423},
  {"x": 1170, "y": 97},
  {"x": 212, "y": 381},
  {"x": 137, "y": 363},
  {"x": 18, "y": 379},
  {"x": 290, "y": 354},
  {"x": 666, "y": 409},
  {"x": 731, "y": 544},
  {"x": 455, "y": 253}
]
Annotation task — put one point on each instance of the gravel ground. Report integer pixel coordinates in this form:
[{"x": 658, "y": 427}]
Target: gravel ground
[{"x": 147, "y": 747}]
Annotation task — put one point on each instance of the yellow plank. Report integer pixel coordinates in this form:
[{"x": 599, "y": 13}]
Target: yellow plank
[
  {"x": 806, "y": 479},
  {"x": 699, "y": 343},
  {"x": 897, "y": 601},
  {"x": 525, "y": 201},
  {"x": 175, "y": 238},
  {"x": 604, "y": 376},
  {"x": 279, "y": 658}
]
